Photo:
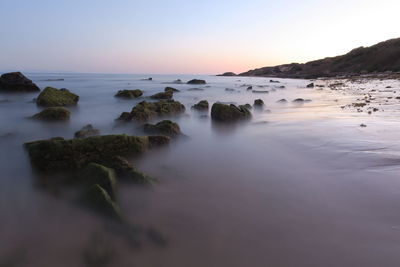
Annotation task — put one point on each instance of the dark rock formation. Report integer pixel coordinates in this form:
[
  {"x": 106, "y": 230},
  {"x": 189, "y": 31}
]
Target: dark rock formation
[
  {"x": 196, "y": 81},
  {"x": 311, "y": 85},
  {"x": 229, "y": 113},
  {"x": 168, "y": 89},
  {"x": 163, "y": 95},
  {"x": 165, "y": 127},
  {"x": 52, "y": 97},
  {"x": 87, "y": 131},
  {"x": 53, "y": 114},
  {"x": 16, "y": 82},
  {"x": 227, "y": 74},
  {"x": 202, "y": 105},
  {"x": 258, "y": 102},
  {"x": 129, "y": 93},
  {"x": 144, "y": 111},
  {"x": 58, "y": 154}
]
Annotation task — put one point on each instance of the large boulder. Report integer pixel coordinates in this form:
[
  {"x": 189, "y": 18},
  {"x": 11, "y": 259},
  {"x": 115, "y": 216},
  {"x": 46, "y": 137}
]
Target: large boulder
[
  {"x": 53, "y": 114},
  {"x": 52, "y": 97},
  {"x": 196, "y": 81},
  {"x": 58, "y": 154},
  {"x": 95, "y": 173},
  {"x": 202, "y": 105},
  {"x": 17, "y": 82},
  {"x": 229, "y": 113},
  {"x": 163, "y": 95},
  {"x": 98, "y": 200},
  {"x": 129, "y": 93},
  {"x": 86, "y": 131},
  {"x": 144, "y": 111},
  {"x": 165, "y": 127}
]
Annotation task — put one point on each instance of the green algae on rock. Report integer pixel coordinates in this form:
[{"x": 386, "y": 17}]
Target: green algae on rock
[
  {"x": 58, "y": 154},
  {"x": 202, "y": 105},
  {"x": 53, "y": 114},
  {"x": 171, "y": 89},
  {"x": 98, "y": 200},
  {"x": 229, "y": 113},
  {"x": 163, "y": 95},
  {"x": 95, "y": 173},
  {"x": 52, "y": 97},
  {"x": 144, "y": 111},
  {"x": 129, "y": 93},
  {"x": 165, "y": 127}
]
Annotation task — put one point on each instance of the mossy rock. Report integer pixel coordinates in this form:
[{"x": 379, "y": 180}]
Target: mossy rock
[
  {"x": 53, "y": 114},
  {"x": 258, "y": 103},
  {"x": 144, "y": 111},
  {"x": 196, "y": 81},
  {"x": 163, "y": 95},
  {"x": 99, "y": 201},
  {"x": 129, "y": 93},
  {"x": 52, "y": 97},
  {"x": 202, "y": 105},
  {"x": 58, "y": 154},
  {"x": 229, "y": 113},
  {"x": 86, "y": 131},
  {"x": 126, "y": 172},
  {"x": 165, "y": 127},
  {"x": 171, "y": 89},
  {"x": 95, "y": 173}
]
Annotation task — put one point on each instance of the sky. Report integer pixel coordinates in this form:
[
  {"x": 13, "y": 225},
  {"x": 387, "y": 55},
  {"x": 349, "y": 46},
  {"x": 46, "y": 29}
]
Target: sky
[{"x": 184, "y": 36}]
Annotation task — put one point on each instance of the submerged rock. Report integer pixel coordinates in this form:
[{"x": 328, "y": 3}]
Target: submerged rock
[
  {"x": 167, "y": 89},
  {"x": 129, "y": 93},
  {"x": 58, "y": 154},
  {"x": 249, "y": 88},
  {"x": 52, "y": 97},
  {"x": 202, "y": 105},
  {"x": 98, "y": 200},
  {"x": 165, "y": 127},
  {"x": 311, "y": 85},
  {"x": 196, "y": 89},
  {"x": 229, "y": 113},
  {"x": 126, "y": 172},
  {"x": 282, "y": 100},
  {"x": 298, "y": 100},
  {"x": 144, "y": 111},
  {"x": 17, "y": 82},
  {"x": 53, "y": 114},
  {"x": 86, "y": 131},
  {"x": 95, "y": 173},
  {"x": 163, "y": 95},
  {"x": 258, "y": 102},
  {"x": 196, "y": 81},
  {"x": 272, "y": 81}
]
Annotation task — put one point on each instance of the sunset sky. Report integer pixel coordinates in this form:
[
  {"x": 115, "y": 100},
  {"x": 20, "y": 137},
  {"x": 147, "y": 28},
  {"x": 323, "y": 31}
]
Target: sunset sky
[{"x": 181, "y": 36}]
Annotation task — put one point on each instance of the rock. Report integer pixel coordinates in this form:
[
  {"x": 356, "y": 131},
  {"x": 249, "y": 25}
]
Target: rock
[
  {"x": 258, "y": 102},
  {"x": 53, "y": 114},
  {"x": 167, "y": 89},
  {"x": 227, "y": 74},
  {"x": 249, "y": 88},
  {"x": 196, "y": 89},
  {"x": 229, "y": 113},
  {"x": 202, "y": 105},
  {"x": 144, "y": 111},
  {"x": 126, "y": 172},
  {"x": 129, "y": 93},
  {"x": 95, "y": 173},
  {"x": 147, "y": 79},
  {"x": 17, "y": 82},
  {"x": 282, "y": 100},
  {"x": 163, "y": 95},
  {"x": 311, "y": 85},
  {"x": 165, "y": 127},
  {"x": 52, "y": 97},
  {"x": 87, "y": 131},
  {"x": 58, "y": 154},
  {"x": 272, "y": 81},
  {"x": 248, "y": 106},
  {"x": 229, "y": 90},
  {"x": 98, "y": 200},
  {"x": 363, "y": 125},
  {"x": 260, "y": 92},
  {"x": 178, "y": 81},
  {"x": 196, "y": 81},
  {"x": 298, "y": 100}
]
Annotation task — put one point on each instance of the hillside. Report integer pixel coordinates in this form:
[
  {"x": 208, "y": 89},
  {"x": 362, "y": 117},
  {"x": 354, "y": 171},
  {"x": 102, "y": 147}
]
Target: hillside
[{"x": 382, "y": 57}]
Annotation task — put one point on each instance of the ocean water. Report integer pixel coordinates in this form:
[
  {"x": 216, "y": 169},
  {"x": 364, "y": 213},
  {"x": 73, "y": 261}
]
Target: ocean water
[{"x": 297, "y": 185}]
